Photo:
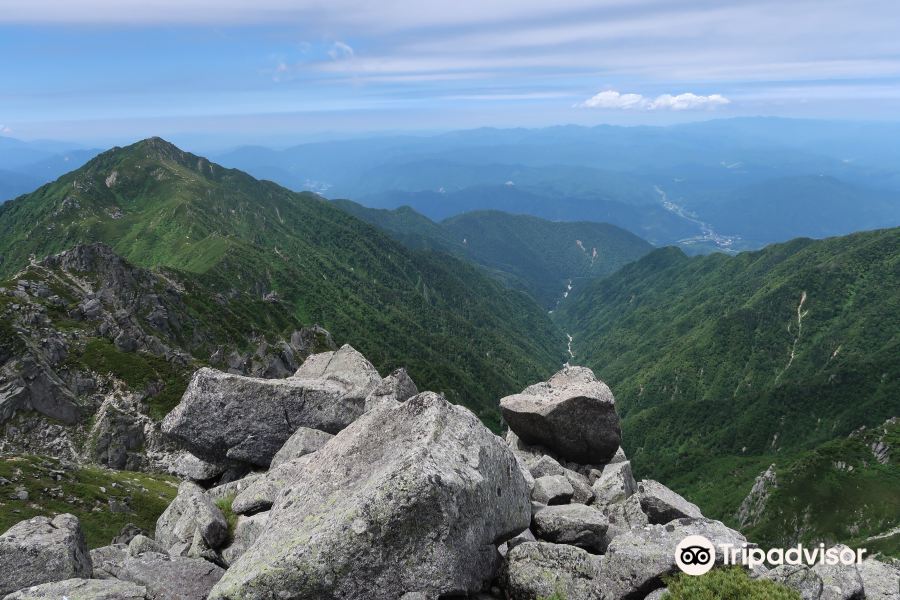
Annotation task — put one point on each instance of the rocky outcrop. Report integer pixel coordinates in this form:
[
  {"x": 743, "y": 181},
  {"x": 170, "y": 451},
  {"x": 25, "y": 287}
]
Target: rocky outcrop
[
  {"x": 636, "y": 560},
  {"x": 662, "y": 505},
  {"x": 248, "y": 419},
  {"x": 615, "y": 483},
  {"x": 304, "y": 441},
  {"x": 573, "y": 524},
  {"x": 82, "y": 589},
  {"x": 191, "y": 513},
  {"x": 171, "y": 578},
  {"x": 754, "y": 504},
  {"x": 573, "y": 415},
  {"x": 538, "y": 570},
  {"x": 42, "y": 550},
  {"x": 406, "y": 499}
]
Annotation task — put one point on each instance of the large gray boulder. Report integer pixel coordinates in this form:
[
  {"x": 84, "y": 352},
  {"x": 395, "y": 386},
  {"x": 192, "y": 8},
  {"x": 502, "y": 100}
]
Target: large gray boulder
[
  {"x": 188, "y": 466},
  {"x": 881, "y": 581},
  {"x": 407, "y": 499},
  {"x": 172, "y": 578},
  {"x": 396, "y": 387},
  {"x": 552, "y": 489},
  {"x": 573, "y": 414},
  {"x": 624, "y": 516},
  {"x": 246, "y": 530},
  {"x": 615, "y": 483},
  {"x": 248, "y": 419},
  {"x": 82, "y": 589},
  {"x": 636, "y": 560},
  {"x": 304, "y": 441},
  {"x": 191, "y": 512},
  {"x": 108, "y": 560},
  {"x": 42, "y": 550},
  {"x": 263, "y": 491},
  {"x": 826, "y": 582},
  {"x": 538, "y": 570},
  {"x": 662, "y": 504},
  {"x": 573, "y": 524}
]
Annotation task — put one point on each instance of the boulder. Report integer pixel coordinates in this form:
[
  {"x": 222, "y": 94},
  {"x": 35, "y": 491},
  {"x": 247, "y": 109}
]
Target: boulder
[
  {"x": 191, "y": 511},
  {"x": 108, "y": 560},
  {"x": 624, "y": 516},
  {"x": 249, "y": 419},
  {"x": 552, "y": 489},
  {"x": 615, "y": 483},
  {"x": 263, "y": 491},
  {"x": 636, "y": 560},
  {"x": 304, "y": 441},
  {"x": 538, "y": 570},
  {"x": 573, "y": 524},
  {"x": 43, "y": 550},
  {"x": 525, "y": 536},
  {"x": 82, "y": 589},
  {"x": 824, "y": 582},
  {"x": 546, "y": 465},
  {"x": 172, "y": 578},
  {"x": 232, "y": 488},
  {"x": 188, "y": 466},
  {"x": 141, "y": 544},
  {"x": 413, "y": 498},
  {"x": 396, "y": 387},
  {"x": 246, "y": 531},
  {"x": 573, "y": 414},
  {"x": 128, "y": 533},
  {"x": 662, "y": 504},
  {"x": 881, "y": 581}
]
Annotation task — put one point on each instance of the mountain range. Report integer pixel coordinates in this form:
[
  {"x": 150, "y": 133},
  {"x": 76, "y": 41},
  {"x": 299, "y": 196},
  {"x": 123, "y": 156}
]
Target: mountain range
[{"x": 749, "y": 383}]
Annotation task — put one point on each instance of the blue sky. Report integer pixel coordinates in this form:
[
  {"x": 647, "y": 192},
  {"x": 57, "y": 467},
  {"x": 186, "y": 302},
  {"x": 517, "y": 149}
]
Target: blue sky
[{"x": 280, "y": 70}]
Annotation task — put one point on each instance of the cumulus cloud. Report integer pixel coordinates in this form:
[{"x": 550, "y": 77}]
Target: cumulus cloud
[
  {"x": 4, "y": 130},
  {"x": 611, "y": 99}
]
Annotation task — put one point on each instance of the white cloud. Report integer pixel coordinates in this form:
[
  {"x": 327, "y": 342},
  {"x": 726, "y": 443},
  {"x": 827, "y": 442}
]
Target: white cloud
[
  {"x": 5, "y": 130},
  {"x": 613, "y": 100},
  {"x": 340, "y": 50}
]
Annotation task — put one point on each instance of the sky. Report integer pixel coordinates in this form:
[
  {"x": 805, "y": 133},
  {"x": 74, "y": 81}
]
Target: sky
[{"x": 281, "y": 71}]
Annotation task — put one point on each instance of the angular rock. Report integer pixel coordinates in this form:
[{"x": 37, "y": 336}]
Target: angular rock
[
  {"x": 573, "y": 414},
  {"x": 82, "y": 589},
  {"x": 232, "y": 488},
  {"x": 546, "y": 465},
  {"x": 525, "y": 536},
  {"x": 108, "y": 560},
  {"x": 262, "y": 493},
  {"x": 573, "y": 524},
  {"x": 128, "y": 533},
  {"x": 141, "y": 544},
  {"x": 191, "y": 511},
  {"x": 249, "y": 420},
  {"x": 304, "y": 441},
  {"x": 172, "y": 578},
  {"x": 246, "y": 531},
  {"x": 538, "y": 570},
  {"x": 552, "y": 489},
  {"x": 407, "y": 499},
  {"x": 624, "y": 516},
  {"x": 823, "y": 582},
  {"x": 881, "y": 581},
  {"x": 614, "y": 484},
  {"x": 636, "y": 560},
  {"x": 663, "y": 505},
  {"x": 42, "y": 550},
  {"x": 188, "y": 466},
  {"x": 396, "y": 387}
]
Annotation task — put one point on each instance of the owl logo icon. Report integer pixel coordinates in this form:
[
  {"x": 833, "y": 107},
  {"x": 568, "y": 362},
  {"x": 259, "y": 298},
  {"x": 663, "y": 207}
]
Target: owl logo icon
[{"x": 695, "y": 555}]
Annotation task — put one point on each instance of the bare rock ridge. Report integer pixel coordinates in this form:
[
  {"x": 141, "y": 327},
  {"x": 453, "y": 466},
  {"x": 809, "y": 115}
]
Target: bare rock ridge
[
  {"x": 359, "y": 487},
  {"x": 65, "y": 323}
]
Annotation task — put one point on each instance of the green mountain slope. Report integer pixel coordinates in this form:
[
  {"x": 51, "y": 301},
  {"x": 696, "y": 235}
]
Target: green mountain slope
[
  {"x": 528, "y": 253},
  {"x": 723, "y": 364},
  {"x": 457, "y": 330}
]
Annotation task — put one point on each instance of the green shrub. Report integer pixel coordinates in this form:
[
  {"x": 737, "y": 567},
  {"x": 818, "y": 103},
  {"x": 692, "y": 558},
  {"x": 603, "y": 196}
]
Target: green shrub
[
  {"x": 224, "y": 505},
  {"x": 725, "y": 584}
]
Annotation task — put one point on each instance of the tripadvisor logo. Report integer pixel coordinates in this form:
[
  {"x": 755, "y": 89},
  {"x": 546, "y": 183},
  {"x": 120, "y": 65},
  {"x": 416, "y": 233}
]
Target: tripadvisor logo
[{"x": 696, "y": 555}]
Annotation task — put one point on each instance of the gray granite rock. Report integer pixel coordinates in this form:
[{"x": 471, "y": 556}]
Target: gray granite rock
[
  {"x": 538, "y": 570},
  {"x": 573, "y": 524},
  {"x": 662, "y": 504},
  {"x": 82, "y": 589}
]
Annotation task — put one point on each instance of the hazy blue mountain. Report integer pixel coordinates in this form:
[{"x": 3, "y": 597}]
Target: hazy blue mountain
[{"x": 723, "y": 184}]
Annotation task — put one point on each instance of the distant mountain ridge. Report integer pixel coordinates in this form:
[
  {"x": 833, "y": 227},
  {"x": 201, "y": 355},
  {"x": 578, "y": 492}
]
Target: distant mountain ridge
[
  {"x": 156, "y": 205},
  {"x": 541, "y": 257}
]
